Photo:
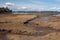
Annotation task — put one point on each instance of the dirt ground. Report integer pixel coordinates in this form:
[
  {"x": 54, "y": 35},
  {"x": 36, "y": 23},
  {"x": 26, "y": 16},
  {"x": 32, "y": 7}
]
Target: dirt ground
[{"x": 30, "y": 25}]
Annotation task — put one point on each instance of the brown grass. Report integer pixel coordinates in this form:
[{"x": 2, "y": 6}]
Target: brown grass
[{"x": 16, "y": 22}]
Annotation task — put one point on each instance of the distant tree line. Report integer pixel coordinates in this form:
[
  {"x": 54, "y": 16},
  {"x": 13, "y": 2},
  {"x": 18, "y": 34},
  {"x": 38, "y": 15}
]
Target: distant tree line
[
  {"x": 38, "y": 12},
  {"x": 5, "y": 10}
]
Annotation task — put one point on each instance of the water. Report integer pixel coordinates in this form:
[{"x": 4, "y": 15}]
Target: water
[{"x": 57, "y": 15}]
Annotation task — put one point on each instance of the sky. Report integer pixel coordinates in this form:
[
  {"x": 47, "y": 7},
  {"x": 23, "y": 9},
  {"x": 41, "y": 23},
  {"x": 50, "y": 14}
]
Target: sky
[{"x": 31, "y": 5}]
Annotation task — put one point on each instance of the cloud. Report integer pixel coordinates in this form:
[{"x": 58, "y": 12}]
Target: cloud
[
  {"x": 27, "y": 7},
  {"x": 54, "y": 9},
  {"x": 34, "y": 6},
  {"x": 9, "y": 4},
  {"x": 24, "y": 7}
]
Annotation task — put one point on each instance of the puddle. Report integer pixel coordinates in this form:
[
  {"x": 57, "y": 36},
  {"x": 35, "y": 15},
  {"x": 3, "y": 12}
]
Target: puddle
[
  {"x": 31, "y": 23},
  {"x": 41, "y": 30},
  {"x": 47, "y": 18}
]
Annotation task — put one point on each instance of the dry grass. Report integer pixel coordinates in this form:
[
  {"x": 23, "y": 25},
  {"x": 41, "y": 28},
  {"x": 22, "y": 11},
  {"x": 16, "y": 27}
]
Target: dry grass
[{"x": 15, "y": 22}]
